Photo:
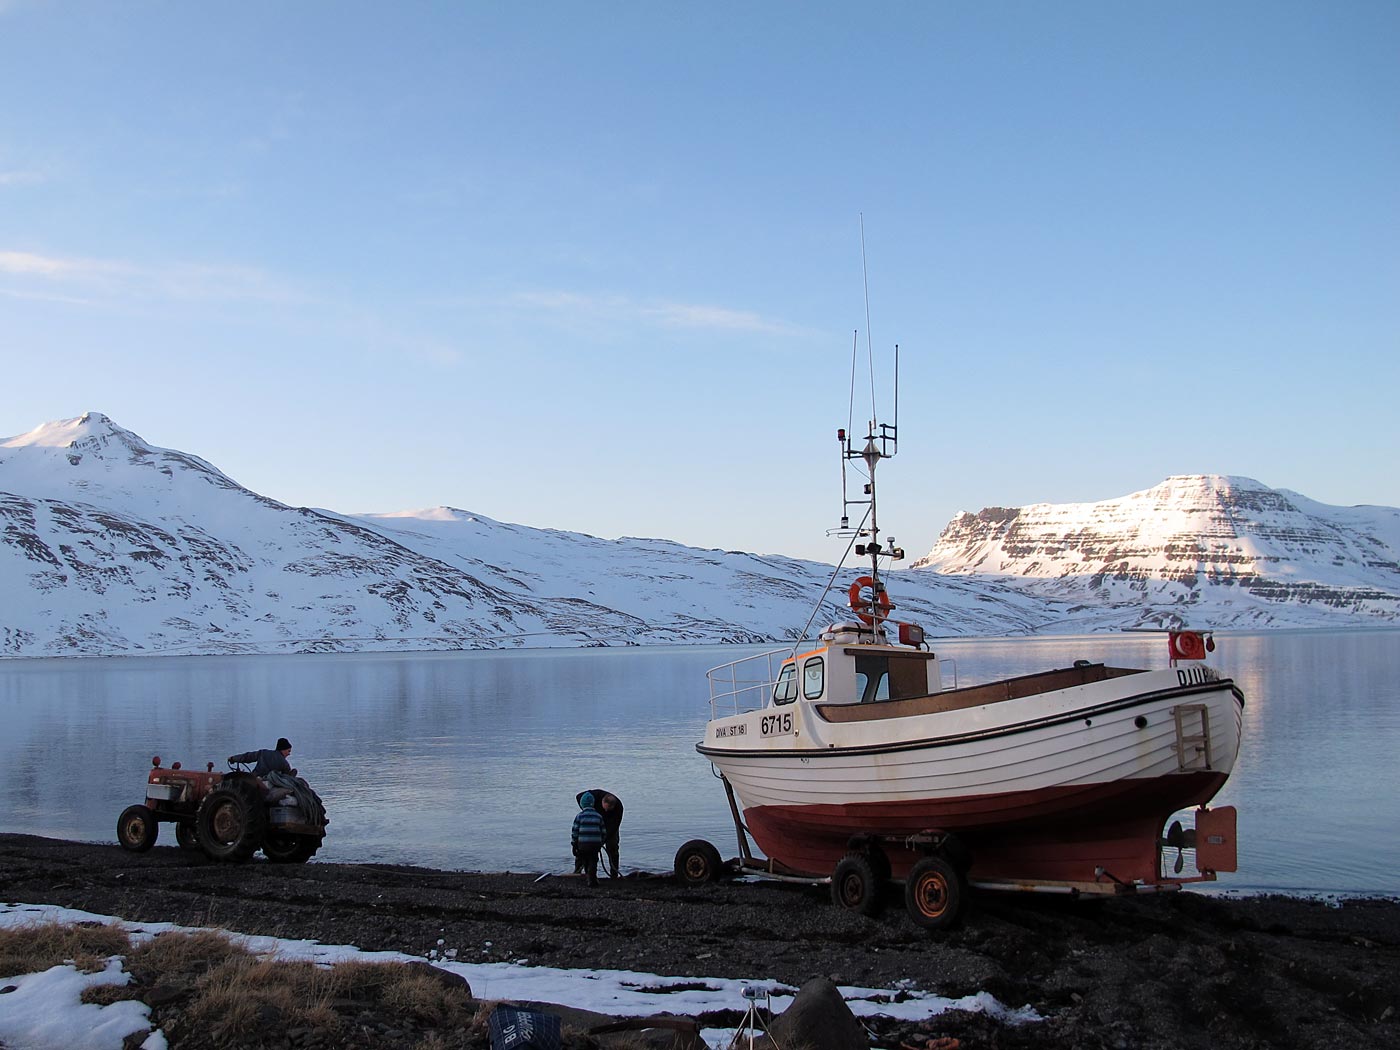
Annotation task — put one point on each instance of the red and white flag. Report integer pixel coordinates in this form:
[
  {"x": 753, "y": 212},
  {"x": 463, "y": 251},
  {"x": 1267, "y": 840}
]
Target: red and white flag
[{"x": 1187, "y": 645}]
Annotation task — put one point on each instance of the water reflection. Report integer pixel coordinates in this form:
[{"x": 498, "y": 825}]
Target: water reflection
[{"x": 472, "y": 760}]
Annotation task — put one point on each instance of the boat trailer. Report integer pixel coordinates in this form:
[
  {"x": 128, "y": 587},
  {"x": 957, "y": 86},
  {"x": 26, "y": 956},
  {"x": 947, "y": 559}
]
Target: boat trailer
[{"x": 935, "y": 890}]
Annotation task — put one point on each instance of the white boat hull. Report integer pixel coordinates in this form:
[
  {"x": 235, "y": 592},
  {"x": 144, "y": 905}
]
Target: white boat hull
[{"x": 1051, "y": 785}]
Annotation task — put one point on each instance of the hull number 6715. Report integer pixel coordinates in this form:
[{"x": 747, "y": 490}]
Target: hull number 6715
[{"x": 776, "y": 725}]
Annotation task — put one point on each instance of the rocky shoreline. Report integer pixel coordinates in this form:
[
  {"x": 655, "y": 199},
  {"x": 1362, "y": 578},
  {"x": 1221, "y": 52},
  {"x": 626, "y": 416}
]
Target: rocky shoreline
[{"x": 1176, "y": 971}]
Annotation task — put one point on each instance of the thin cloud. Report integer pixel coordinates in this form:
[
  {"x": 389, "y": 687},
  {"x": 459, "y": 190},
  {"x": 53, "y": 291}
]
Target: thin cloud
[
  {"x": 184, "y": 282},
  {"x": 18, "y": 178},
  {"x": 29, "y": 264},
  {"x": 45, "y": 297},
  {"x": 699, "y": 317}
]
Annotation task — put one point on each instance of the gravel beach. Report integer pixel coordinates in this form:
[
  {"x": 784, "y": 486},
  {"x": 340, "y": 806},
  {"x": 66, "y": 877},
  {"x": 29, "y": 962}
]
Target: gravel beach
[{"x": 1179, "y": 970}]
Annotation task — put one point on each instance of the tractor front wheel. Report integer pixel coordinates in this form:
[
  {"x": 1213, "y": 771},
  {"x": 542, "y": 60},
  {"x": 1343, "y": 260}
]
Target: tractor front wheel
[
  {"x": 137, "y": 828},
  {"x": 232, "y": 822},
  {"x": 186, "y": 836}
]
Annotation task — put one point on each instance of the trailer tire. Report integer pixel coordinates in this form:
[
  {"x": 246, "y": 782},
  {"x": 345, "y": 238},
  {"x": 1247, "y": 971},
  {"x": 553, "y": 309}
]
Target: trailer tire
[
  {"x": 698, "y": 862},
  {"x": 137, "y": 829},
  {"x": 933, "y": 894},
  {"x": 186, "y": 835},
  {"x": 856, "y": 886},
  {"x": 231, "y": 822}
]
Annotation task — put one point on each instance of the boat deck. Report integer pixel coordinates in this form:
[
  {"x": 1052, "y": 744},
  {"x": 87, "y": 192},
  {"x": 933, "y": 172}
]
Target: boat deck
[{"x": 974, "y": 695}]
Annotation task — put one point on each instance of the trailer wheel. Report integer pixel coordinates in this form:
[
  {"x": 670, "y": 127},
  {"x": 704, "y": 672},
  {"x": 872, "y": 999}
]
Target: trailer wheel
[
  {"x": 856, "y": 886},
  {"x": 231, "y": 822},
  {"x": 137, "y": 829},
  {"x": 933, "y": 894},
  {"x": 186, "y": 835},
  {"x": 698, "y": 862},
  {"x": 290, "y": 849}
]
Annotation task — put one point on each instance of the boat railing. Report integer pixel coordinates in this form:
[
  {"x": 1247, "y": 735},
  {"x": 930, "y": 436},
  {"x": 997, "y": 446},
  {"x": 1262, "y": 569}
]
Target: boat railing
[
  {"x": 954, "y": 663},
  {"x": 745, "y": 684}
]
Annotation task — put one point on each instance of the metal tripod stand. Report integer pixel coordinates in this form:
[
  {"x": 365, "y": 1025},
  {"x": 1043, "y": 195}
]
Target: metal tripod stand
[{"x": 753, "y": 1020}]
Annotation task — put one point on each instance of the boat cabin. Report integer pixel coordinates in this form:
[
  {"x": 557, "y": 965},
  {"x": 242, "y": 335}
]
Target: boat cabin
[{"x": 854, "y": 665}]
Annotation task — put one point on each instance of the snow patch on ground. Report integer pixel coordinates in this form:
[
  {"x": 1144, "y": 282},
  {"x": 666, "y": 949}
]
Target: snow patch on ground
[{"x": 44, "y": 1011}]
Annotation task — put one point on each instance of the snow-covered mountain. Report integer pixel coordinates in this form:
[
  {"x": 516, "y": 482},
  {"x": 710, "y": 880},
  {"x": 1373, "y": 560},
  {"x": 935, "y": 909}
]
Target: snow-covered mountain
[
  {"x": 111, "y": 545},
  {"x": 1215, "y": 550}
]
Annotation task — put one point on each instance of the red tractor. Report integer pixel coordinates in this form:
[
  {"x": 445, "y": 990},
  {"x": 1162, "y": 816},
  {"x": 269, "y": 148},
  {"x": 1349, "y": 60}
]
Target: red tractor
[{"x": 227, "y": 815}]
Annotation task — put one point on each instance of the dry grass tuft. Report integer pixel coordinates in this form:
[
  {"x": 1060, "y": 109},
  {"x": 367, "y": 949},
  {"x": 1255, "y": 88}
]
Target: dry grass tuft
[
  {"x": 35, "y": 947},
  {"x": 420, "y": 996},
  {"x": 224, "y": 991},
  {"x": 186, "y": 956},
  {"x": 243, "y": 993},
  {"x": 107, "y": 994}
]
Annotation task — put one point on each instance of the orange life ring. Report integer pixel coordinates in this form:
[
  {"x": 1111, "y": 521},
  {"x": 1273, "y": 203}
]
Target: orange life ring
[{"x": 859, "y": 605}]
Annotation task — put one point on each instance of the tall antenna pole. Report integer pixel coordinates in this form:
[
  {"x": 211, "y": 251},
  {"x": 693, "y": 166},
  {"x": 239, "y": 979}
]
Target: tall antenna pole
[{"x": 869, "y": 349}]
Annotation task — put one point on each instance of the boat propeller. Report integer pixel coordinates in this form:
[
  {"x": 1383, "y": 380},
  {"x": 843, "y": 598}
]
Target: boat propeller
[{"x": 1179, "y": 839}]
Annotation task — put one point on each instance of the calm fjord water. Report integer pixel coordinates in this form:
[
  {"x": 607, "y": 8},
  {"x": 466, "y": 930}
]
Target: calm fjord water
[{"x": 472, "y": 760}]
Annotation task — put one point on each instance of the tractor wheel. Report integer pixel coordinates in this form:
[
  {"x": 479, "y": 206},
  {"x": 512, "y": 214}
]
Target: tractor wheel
[
  {"x": 186, "y": 835},
  {"x": 232, "y": 821},
  {"x": 856, "y": 886},
  {"x": 137, "y": 828},
  {"x": 698, "y": 862},
  {"x": 933, "y": 894},
  {"x": 290, "y": 849}
]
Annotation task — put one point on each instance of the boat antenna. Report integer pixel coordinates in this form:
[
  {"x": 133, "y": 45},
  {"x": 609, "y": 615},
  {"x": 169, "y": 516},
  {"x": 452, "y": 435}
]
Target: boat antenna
[
  {"x": 869, "y": 350},
  {"x": 850, "y": 417},
  {"x": 881, "y": 442}
]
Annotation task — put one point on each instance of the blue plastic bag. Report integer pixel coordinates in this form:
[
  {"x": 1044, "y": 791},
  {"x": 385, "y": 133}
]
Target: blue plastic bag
[{"x": 513, "y": 1028}]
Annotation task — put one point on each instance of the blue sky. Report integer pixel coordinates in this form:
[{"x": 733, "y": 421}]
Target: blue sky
[{"x": 598, "y": 267}]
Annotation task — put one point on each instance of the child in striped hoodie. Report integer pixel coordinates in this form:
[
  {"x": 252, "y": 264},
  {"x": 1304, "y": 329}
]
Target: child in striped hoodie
[{"x": 588, "y": 836}]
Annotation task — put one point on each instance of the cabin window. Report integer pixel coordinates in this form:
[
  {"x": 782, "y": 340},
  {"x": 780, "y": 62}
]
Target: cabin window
[
  {"x": 908, "y": 678},
  {"x": 785, "y": 689},
  {"x": 872, "y": 678},
  {"x": 813, "y": 678},
  {"x": 883, "y": 678}
]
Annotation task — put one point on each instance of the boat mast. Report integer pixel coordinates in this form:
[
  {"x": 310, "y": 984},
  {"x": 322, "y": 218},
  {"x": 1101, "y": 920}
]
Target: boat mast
[{"x": 881, "y": 441}]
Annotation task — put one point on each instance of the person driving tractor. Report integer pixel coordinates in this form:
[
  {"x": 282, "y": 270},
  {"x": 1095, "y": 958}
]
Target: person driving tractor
[{"x": 268, "y": 760}]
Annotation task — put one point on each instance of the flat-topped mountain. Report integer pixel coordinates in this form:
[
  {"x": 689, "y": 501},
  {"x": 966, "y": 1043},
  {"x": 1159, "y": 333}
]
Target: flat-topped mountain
[{"x": 1233, "y": 551}]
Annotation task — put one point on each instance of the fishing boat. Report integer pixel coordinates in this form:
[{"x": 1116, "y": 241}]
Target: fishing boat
[{"x": 854, "y": 757}]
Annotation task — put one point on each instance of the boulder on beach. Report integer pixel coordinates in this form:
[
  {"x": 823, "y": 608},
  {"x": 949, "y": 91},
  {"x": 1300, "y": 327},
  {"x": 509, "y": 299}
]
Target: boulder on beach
[{"x": 818, "y": 1019}]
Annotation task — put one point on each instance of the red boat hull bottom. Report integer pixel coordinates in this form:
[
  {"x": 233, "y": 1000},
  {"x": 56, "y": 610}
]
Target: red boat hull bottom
[{"x": 1061, "y": 833}]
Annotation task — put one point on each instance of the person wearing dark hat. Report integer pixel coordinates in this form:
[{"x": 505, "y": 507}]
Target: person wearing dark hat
[{"x": 268, "y": 760}]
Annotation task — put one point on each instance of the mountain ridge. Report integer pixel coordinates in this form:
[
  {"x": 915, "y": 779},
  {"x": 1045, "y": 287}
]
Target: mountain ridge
[
  {"x": 1192, "y": 539},
  {"x": 109, "y": 544}
]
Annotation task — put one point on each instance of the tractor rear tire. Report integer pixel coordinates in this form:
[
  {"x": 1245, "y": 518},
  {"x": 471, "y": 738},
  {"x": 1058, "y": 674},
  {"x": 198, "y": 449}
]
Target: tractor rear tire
[
  {"x": 289, "y": 849},
  {"x": 232, "y": 822},
  {"x": 137, "y": 829},
  {"x": 186, "y": 835}
]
